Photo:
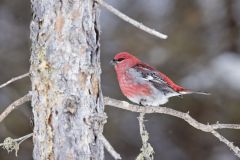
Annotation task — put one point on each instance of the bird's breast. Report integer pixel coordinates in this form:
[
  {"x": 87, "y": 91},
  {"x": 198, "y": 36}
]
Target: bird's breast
[{"x": 133, "y": 86}]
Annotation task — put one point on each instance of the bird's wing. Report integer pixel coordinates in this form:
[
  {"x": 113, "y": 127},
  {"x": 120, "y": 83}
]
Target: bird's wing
[{"x": 150, "y": 74}]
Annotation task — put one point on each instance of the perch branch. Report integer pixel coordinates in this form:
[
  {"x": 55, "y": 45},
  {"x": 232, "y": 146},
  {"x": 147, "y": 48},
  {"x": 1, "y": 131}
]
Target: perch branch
[
  {"x": 108, "y": 147},
  {"x": 185, "y": 116},
  {"x": 131, "y": 21},
  {"x": 14, "y": 79},
  {"x": 14, "y": 105}
]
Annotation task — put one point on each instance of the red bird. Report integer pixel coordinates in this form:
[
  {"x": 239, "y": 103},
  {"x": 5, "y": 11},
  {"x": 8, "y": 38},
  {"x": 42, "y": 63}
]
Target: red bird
[{"x": 143, "y": 84}]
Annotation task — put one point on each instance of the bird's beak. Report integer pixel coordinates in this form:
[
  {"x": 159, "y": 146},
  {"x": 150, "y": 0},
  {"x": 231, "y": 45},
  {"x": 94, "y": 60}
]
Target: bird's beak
[{"x": 113, "y": 62}]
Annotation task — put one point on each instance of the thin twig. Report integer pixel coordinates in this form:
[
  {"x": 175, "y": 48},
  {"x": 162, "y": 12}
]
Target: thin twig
[
  {"x": 235, "y": 149},
  {"x": 22, "y": 139},
  {"x": 109, "y": 147},
  {"x": 146, "y": 150},
  {"x": 185, "y": 116},
  {"x": 14, "y": 79},
  {"x": 225, "y": 126},
  {"x": 15, "y": 105},
  {"x": 132, "y": 21}
]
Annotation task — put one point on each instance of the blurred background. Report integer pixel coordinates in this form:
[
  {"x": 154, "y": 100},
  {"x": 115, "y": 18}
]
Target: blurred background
[{"x": 201, "y": 53}]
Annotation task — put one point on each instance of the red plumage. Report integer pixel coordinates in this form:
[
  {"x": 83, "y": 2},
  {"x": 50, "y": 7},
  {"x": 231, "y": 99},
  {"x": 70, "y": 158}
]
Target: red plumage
[{"x": 142, "y": 83}]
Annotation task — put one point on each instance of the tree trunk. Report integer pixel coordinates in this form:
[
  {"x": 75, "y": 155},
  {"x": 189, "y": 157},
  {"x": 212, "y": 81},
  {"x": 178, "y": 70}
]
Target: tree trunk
[{"x": 65, "y": 74}]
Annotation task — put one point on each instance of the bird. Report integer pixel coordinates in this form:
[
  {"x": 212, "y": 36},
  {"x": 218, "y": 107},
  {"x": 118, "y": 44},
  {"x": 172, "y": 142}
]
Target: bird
[{"x": 143, "y": 84}]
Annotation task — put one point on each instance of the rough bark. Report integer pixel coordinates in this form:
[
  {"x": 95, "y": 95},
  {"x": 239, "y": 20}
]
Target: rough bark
[{"x": 65, "y": 74}]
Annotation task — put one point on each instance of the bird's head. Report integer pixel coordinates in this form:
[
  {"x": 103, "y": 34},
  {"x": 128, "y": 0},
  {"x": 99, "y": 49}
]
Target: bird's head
[{"x": 124, "y": 59}]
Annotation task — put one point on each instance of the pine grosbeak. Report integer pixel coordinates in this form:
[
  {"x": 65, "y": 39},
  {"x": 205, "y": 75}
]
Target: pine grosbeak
[{"x": 143, "y": 84}]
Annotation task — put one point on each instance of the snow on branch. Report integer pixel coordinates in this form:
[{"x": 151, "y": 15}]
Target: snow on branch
[
  {"x": 184, "y": 116},
  {"x": 131, "y": 21},
  {"x": 14, "y": 105},
  {"x": 14, "y": 79}
]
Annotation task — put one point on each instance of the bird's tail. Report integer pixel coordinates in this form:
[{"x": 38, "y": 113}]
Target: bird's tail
[{"x": 186, "y": 91}]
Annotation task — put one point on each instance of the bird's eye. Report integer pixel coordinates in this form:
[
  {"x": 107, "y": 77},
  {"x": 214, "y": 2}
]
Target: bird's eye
[{"x": 120, "y": 59}]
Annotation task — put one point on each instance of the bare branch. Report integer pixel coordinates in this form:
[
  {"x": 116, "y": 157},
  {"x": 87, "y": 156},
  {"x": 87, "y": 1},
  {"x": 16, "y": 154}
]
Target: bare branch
[
  {"x": 108, "y": 147},
  {"x": 14, "y": 79},
  {"x": 235, "y": 149},
  {"x": 146, "y": 150},
  {"x": 14, "y": 105},
  {"x": 225, "y": 126},
  {"x": 132, "y": 21},
  {"x": 185, "y": 116},
  {"x": 11, "y": 144}
]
